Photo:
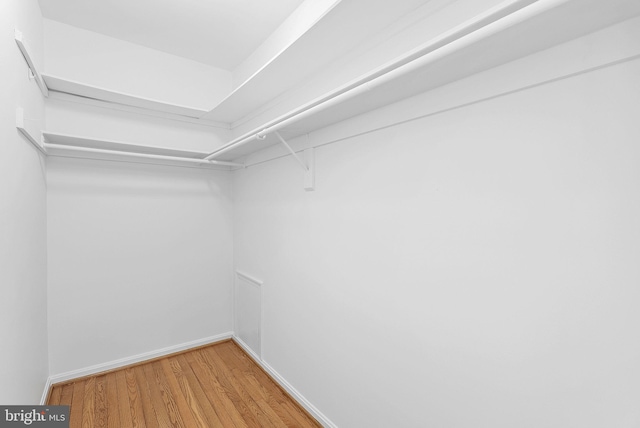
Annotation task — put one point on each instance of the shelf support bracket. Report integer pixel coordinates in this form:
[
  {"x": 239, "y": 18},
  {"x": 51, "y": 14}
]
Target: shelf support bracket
[
  {"x": 295, "y": 155},
  {"x": 308, "y": 166},
  {"x": 310, "y": 173}
]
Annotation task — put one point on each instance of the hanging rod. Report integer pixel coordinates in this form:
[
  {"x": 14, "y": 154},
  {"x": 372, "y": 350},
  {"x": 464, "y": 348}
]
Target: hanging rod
[
  {"x": 49, "y": 146},
  {"x": 493, "y": 21}
]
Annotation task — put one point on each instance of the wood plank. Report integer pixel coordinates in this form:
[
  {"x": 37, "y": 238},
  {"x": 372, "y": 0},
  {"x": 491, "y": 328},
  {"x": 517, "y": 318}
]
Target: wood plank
[
  {"x": 100, "y": 409},
  {"x": 113, "y": 413},
  {"x": 56, "y": 393},
  {"x": 224, "y": 371},
  {"x": 185, "y": 397},
  {"x": 215, "y": 392},
  {"x": 88, "y": 413},
  {"x": 214, "y": 410},
  {"x": 136, "y": 412},
  {"x": 177, "y": 408},
  {"x": 227, "y": 390},
  {"x": 67, "y": 395},
  {"x": 125, "y": 408},
  {"x": 77, "y": 405},
  {"x": 155, "y": 396},
  {"x": 251, "y": 394},
  {"x": 150, "y": 417}
]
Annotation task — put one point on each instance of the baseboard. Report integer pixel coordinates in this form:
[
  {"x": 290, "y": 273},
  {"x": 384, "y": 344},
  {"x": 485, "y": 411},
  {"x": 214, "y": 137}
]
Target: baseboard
[
  {"x": 247, "y": 349},
  {"x": 46, "y": 392},
  {"x": 123, "y": 362},
  {"x": 286, "y": 386}
]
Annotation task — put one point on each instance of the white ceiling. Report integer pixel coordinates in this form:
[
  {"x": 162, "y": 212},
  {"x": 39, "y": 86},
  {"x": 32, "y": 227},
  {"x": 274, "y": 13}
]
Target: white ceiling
[{"x": 216, "y": 32}]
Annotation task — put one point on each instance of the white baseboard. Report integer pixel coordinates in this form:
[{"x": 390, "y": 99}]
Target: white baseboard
[
  {"x": 98, "y": 368},
  {"x": 45, "y": 393},
  {"x": 287, "y": 386}
]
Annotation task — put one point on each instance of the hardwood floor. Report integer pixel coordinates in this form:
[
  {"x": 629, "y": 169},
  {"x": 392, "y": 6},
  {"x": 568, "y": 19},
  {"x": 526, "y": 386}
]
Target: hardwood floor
[{"x": 213, "y": 386}]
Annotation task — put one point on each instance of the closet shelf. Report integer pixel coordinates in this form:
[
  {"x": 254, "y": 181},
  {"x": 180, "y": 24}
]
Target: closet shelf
[
  {"x": 67, "y": 86},
  {"x": 497, "y": 37},
  {"x": 266, "y": 83},
  {"x": 54, "y": 144},
  {"x": 91, "y": 148},
  {"x": 505, "y": 33},
  {"x": 315, "y": 48}
]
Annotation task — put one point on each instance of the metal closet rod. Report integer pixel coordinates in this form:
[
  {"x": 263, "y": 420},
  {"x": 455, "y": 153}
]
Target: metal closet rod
[
  {"x": 493, "y": 21},
  {"x": 140, "y": 155}
]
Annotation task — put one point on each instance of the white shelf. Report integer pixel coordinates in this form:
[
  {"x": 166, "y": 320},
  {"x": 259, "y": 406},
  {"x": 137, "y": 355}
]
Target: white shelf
[
  {"x": 519, "y": 29},
  {"x": 91, "y": 148},
  {"x": 543, "y": 24},
  {"x": 266, "y": 84},
  {"x": 92, "y": 143},
  {"x": 60, "y": 84},
  {"x": 318, "y": 46}
]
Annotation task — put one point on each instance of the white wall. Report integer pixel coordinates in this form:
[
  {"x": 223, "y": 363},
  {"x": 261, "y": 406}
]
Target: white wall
[
  {"x": 23, "y": 257},
  {"x": 140, "y": 259},
  {"x": 473, "y": 268},
  {"x": 139, "y": 255},
  {"x": 94, "y": 59}
]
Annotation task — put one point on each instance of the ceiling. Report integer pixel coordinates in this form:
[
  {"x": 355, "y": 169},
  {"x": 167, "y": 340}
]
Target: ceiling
[{"x": 220, "y": 33}]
